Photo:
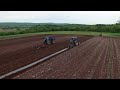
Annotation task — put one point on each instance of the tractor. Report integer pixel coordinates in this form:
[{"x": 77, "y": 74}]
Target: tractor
[
  {"x": 74, "y": 41},
  {"x": 47, "y": 41}
]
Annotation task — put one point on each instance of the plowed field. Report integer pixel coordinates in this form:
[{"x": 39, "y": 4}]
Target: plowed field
[
  {"x": 97, "y": 58},
  {"x": 16, "y": 53}
]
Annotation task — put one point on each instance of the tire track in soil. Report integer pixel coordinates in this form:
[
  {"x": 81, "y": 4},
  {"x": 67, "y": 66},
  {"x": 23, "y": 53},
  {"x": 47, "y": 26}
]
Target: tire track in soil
[
  {"x": 119, "y": 54},
  {"x": 93, "y": 69},
  {"x": 112, "y": 58},
  {"x": 116, "y": 62},
  {"x": 105, "y": 70},
  {"x": 98, "y": 70},
  {"x": 47, "y": 67},
  {"x": 81, "y": 69},
  {"x": 110, "y": 64}
]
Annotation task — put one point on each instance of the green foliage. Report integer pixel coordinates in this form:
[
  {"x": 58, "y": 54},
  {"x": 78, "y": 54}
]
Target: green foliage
[
  {"x": 16, "y": 25},
  {"x": 76, "y": 27},
  {"x": 32, "y": 28}
]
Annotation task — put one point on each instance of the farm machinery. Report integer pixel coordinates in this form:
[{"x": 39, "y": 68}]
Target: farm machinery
[
  {"x": 74, "y": 41},
  {"x": 47, "y": 41}
]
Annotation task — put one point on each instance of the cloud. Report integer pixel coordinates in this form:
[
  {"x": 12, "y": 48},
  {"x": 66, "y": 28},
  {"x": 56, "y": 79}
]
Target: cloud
[{"x": 82, "y": 17}]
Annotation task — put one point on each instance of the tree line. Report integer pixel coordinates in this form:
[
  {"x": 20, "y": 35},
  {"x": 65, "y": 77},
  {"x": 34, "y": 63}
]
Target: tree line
[{"x": 113, "y": 28}]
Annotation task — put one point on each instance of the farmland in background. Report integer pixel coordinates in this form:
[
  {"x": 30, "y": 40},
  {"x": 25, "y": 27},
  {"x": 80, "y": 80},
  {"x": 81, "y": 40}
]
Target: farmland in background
[{"x": 18, "y": 29}]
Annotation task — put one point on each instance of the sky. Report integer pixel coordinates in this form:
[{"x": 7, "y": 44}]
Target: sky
[{"x": 73, "y": 17}]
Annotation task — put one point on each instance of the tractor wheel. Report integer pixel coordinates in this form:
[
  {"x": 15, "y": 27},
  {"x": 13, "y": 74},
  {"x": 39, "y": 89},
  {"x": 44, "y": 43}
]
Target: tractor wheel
[
  {"x": 48, "y": 42},
  {"x": 53, "y": 41},
  {"x": 70, "y": 46},
  {"x": 76, "y": 43}
]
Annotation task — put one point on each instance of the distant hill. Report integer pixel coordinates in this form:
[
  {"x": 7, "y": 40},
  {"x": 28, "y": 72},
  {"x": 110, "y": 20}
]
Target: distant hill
[
  {"x": 24, "y": 25},
  {"x": 13, "y": 25}
]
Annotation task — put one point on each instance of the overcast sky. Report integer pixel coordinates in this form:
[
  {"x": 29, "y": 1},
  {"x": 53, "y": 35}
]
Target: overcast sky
[{"x": 80, "y": 17}]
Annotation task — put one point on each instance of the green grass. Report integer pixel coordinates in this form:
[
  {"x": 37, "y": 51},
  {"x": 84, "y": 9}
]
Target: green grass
[
  {"x": 18, "y": 35},
  {"x": 71, "y": 32},
  {"x": 82, "y": 33},
  {"x": 61, "y": 32}
]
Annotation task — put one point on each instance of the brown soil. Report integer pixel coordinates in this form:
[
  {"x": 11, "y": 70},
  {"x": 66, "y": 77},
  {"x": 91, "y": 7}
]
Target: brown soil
[
  {"x": 97, "y": 58},
  {"x": 15, "y": 53}
]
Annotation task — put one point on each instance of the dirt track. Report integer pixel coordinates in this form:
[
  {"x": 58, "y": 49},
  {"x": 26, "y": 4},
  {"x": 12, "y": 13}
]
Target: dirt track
[
  {"x": 97, "y": 58},
  {"x": 16, "y": 53}
]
